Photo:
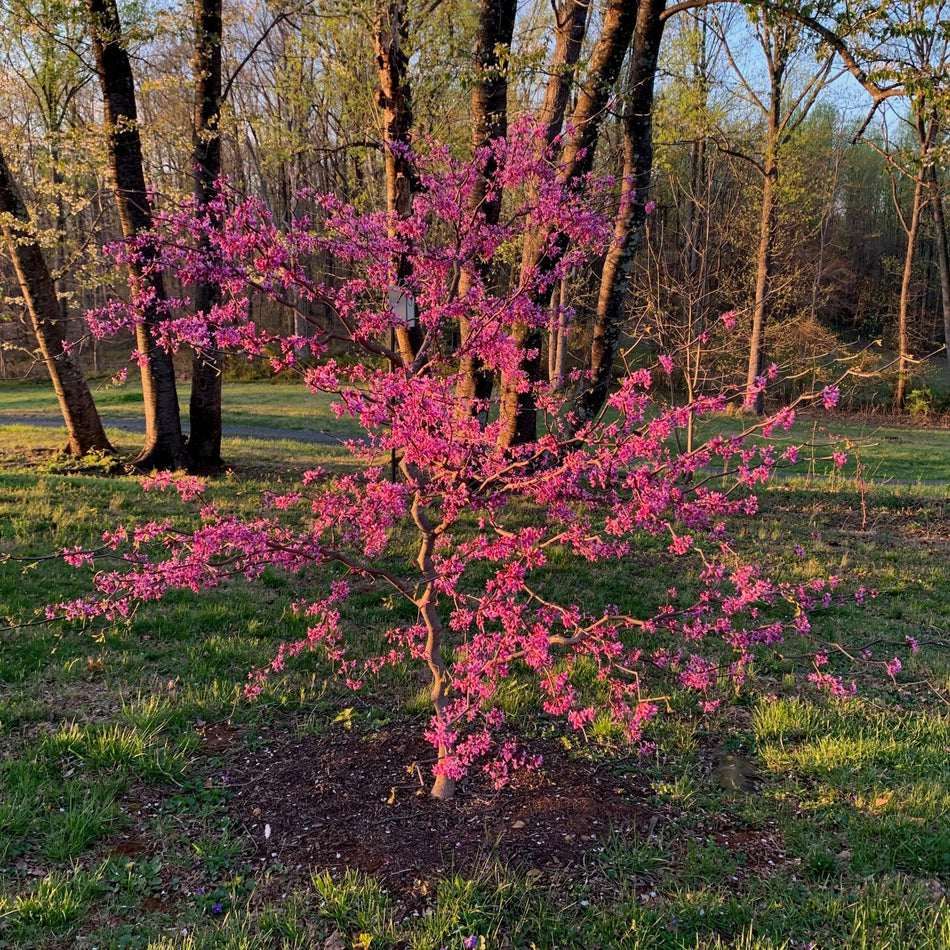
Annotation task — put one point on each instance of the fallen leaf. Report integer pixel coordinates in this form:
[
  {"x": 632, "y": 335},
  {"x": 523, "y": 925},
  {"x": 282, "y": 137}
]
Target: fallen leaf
[{"x": 334, "y": 941}]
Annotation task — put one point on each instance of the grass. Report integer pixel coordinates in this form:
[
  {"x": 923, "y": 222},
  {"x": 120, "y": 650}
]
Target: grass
[
  {"x": 99, "y": 732},
  {"x": 274, "y": 405}
]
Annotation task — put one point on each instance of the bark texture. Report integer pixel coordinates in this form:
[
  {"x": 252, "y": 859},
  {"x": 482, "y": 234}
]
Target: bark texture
[
  {"x": 518, "y": 408},
  {"x": 489, "y": 121},
  {"x": 395, "y": 102},
  {"x": 204, "y": 440},
  {"x": 903, "y": 344},
  {"x": 164, "y": 445},
  {"x": 84, "y": 427},
  {"x": 777, "y": 61},
  {"x": 628, "y": 228}
]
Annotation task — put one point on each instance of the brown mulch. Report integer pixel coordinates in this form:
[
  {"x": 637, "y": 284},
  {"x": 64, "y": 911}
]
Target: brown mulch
[{"x": 345, "y": 800}]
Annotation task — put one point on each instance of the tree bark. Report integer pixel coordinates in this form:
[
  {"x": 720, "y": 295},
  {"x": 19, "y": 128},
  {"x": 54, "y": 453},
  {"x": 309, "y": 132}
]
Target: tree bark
[
  {"x": 518, "y": 405},
  {"x": 164, "y": 445},
  {"x": 204, "y": 440},
  {"x": 763, "y": 273},
  {"x": 426, "y": 602},
  {"x": 39, "y": 294},
  {"x": 395, "y": 100},
  {"x": 767, "y": 225},
  {"x": 631, "y": 217},
  {"x": 570, "y": 29},
  {"x": 496, "y": 25},
  {"x": 903, "y": 347}
]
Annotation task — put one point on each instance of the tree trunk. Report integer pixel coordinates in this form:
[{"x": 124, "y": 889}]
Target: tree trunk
[
  {"x": 903, "y": 347},
  {"x": 395, "y": 100},
  {"x": 164, "y": 445},
  {"x": 496, "y": 25},
  {"x": 39, "y": 294},
  {"x": 204, "y": 440},
  {"x": 518, "y": 405},
  {"x": 570, "y": 29},
  {"x": 444, "y": 786},
  {"x": 763, "y": 273},
  {"x": 628, "y": 228},
  {"x": 767, "y": 225}
]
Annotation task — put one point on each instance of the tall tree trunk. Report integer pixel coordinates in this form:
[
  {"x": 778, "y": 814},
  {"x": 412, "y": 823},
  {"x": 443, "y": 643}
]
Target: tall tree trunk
[
  {"x": 571, "y": 19},
  {"x": 903, "y": 336},
  {"x": 767, "y": 225},
  {"x": 496, "y": 25},
  {"x": 628, "y": 228},
  {"x": 204, "y": 441},
  {"x": 518, "y": 405},
  {"x": 763, "y": 273},
  {"x": 164, "y": 445},
  {"x": 395, "y": 100},
  {"x": 39, "y": 294}
]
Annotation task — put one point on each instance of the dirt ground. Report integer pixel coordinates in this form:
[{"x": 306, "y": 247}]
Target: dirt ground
[{"x": 343, "y": 800}]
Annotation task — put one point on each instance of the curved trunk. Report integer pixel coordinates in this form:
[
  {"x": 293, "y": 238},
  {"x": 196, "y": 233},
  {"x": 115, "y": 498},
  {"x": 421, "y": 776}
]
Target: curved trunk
[
  {"x": 444, "y": 786},
  {"x": 204, "y": 440},
  {"x": 39, "y": 294}
]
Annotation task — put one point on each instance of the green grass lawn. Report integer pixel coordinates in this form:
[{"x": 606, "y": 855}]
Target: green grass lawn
[
  {"x": 100, "y": 734},
  {"x": 272, "y": 404},
  {"x": 904, "y": 453}
]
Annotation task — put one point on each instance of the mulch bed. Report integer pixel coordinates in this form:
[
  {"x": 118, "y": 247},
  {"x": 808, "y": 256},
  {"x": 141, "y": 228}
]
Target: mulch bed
[{"x": 345, "y": 800}]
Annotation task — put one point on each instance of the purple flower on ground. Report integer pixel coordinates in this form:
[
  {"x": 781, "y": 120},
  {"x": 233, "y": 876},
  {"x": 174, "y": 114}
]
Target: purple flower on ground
[{"x": 216, "y": 908}]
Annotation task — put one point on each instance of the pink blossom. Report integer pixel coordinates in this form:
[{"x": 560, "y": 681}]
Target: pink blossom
[
  {"x": 488, "y": 520},
  {"x": 830, "y": 396}
]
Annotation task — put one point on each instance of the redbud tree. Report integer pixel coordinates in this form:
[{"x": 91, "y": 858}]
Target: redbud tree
[{"x": 486, "y": 517}]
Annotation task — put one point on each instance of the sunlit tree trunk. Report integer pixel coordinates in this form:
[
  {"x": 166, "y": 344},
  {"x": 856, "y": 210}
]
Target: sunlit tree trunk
[
  {"x": 935, "y": 195},
  {"x": 903, "y": 334},
  {"x": 777, "y": 55},
  {"x": 518, "y": 408},
  {"x": 628, "y": 227},
  {"x": 395, "y": 101},
  {"x": 48, "y": 319},
  {"x": 164, "y": 444}
]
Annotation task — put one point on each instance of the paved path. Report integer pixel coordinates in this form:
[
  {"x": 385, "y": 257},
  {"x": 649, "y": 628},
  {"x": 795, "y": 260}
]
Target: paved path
[{"x": 229, "y": 431}]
